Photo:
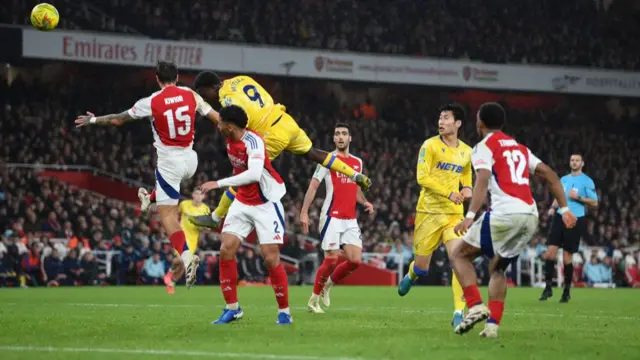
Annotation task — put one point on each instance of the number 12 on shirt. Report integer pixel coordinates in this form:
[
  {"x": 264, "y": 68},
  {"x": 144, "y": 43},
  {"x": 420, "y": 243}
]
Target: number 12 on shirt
[{"x": 517, "y": 162}]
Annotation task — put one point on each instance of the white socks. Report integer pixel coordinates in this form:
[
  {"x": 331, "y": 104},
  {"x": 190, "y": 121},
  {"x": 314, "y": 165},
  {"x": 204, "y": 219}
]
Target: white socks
[{"x": 187, "y": 257}]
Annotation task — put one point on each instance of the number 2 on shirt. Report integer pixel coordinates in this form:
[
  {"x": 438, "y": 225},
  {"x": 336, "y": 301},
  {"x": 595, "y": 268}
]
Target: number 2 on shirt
[
  {"x": 517, "y": 164},
  {"x": 253, "y": 94}
]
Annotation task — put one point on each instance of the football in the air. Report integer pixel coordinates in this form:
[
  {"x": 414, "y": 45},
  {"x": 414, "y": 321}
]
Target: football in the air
[{"x": 44, "y": 17}]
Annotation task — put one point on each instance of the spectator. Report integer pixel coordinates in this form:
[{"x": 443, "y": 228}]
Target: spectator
[
  {"x": 127, "y": 271},
  {"x": 153, "y": 270},
  {"x": 53, "y": 269},
  {"x": 91, "y": 274},
  {"x": 399, "y": 254},
  {"x": 580, "y": 32},
  {"x": 72, "y": 269},
  {"x": 251, "y": 267},
  {"x": 632, "y": 272},
  {"x": 597, "y": 273},
  {"x": 31, "y": 270}
]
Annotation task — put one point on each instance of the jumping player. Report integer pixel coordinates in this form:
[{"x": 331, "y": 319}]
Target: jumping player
[
  {"x": 444, "y": 174},
  {"x": 193, "y": 207},
  {"x": 279, "y": 130},
  {"x": 338, "y": 224},
  {"x": 504, "y": 168},
  {"x": 172, "y": 110},
  {"x": 257, "y": 206}
]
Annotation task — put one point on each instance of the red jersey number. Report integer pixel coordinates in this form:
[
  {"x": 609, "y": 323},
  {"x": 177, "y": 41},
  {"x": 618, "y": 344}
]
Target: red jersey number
[
  {"x": 178, "y": 121},
  {"x": 517, "y": 162}
]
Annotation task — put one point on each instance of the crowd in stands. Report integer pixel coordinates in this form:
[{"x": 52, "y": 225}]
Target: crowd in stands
[
  {"x": 576, "y": 32},
  {"x": 35, "y": 128}
]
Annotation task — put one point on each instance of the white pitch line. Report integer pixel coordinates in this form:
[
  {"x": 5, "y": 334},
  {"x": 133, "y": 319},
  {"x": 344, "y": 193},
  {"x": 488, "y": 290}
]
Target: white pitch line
[
  {"x": 169, "y": 353},
  {"x": 359, "y": 308}
]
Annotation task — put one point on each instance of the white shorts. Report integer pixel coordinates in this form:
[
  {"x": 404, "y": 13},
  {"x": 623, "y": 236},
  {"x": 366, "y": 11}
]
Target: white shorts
[
  {"x": 267, "y": 219},
  {"x": 335, "y": 232},
  {"x": 505, "y": 235},
  {"x": 171, "y": 171}
]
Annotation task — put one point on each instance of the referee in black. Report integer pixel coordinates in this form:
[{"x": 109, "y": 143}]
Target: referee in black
[{"x": 581, "y": 193}]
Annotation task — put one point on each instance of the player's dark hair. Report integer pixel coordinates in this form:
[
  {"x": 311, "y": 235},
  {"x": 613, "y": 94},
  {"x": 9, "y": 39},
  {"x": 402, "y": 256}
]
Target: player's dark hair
[
  {"x": 492, "y": 115},
  {"x": 578, "y": 153},
  {"x": 206, "y": 79},
  {"x": 342, "y": 125},
  {"x": 456, "y": 109},
  {"x": 235, "y": 115},
  {"x": 167, "y": 72}
]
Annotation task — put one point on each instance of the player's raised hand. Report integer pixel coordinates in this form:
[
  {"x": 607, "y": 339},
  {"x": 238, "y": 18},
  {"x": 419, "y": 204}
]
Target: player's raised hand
[
  {"x": 569, "y": 219},
  {"x": 209, "y": 185},
  {"x": 463, "y": 226},
  {"x": 456, "y": 197},
  {"x": 84, "y": 120},
  {"x": 368, "y": 207},
  {"x": 304, "y": 221}
]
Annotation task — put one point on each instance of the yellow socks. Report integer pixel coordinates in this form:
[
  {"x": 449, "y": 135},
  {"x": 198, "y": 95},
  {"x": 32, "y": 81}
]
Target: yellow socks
[
  {"x": 458, "y": 296},
  {"x": 332, "y": 162},
  {"x": 225, "y": 203}
]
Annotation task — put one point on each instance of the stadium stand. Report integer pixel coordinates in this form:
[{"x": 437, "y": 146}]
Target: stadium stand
[
  {"x": 581, "y": 33},
  {"x": 387, "y": 130}
]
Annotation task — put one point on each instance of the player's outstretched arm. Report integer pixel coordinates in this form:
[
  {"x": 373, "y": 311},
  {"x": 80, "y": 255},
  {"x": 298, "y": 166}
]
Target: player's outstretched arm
[
  {"x": 255, "y": 166},
  {"x": 479, "y": 194},
  {"x": 552, "y": 178},
  {"x": 306, "y": 204},
  {"x": 544, "y": 171},
  {"x": 111, "y": 119},
  {"x": 362, "y": 200},
  {"x": 213, "y": 116},
  {"x": 477, "y": 199}
]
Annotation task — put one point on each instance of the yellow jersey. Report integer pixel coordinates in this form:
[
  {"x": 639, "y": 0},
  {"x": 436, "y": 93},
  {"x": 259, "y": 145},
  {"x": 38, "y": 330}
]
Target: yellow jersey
[
  {"x": 442, "y": 170},
  {"x": 246, "y": 93},
  {"x": 187, "y": 208}
]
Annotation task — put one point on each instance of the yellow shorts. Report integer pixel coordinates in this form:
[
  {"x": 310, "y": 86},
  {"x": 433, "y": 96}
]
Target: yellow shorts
[
  {"x": 433, "y": 229},
  {"x": 285, "y": 134}
]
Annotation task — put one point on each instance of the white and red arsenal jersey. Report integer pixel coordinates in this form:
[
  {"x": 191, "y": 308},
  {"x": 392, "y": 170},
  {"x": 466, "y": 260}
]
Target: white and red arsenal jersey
[
  {"x": 511, "y": 165},
  {"x": 342, "y": 192},
  {"x": 257, "y": 180},
  {"x": 173, "y": 115}
]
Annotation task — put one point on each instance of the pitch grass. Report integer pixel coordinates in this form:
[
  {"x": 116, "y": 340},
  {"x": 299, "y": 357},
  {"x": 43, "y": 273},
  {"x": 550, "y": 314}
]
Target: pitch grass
[{"x": 366, "y": 323}]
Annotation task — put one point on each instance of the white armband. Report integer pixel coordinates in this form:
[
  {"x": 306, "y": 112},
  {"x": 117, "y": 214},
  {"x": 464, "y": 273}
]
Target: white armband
[
  {"x": 92, "y": 120},
  {"x": 470, "y": 215},
  {"x": 563, "y": 210}
]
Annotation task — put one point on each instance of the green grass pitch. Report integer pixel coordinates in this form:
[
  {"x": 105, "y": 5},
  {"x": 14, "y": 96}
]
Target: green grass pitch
[{"x": 366, "y": 323}]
